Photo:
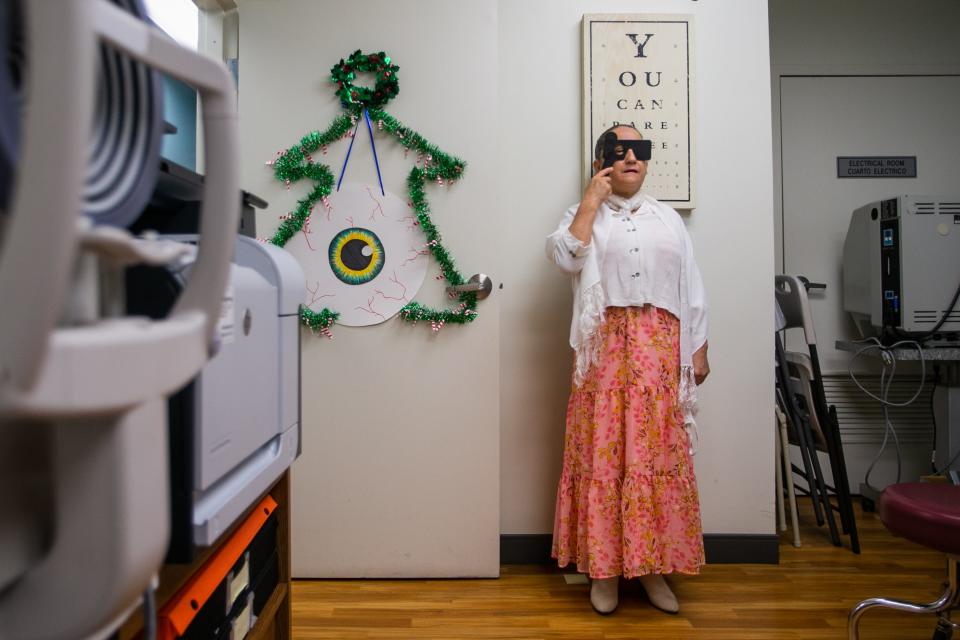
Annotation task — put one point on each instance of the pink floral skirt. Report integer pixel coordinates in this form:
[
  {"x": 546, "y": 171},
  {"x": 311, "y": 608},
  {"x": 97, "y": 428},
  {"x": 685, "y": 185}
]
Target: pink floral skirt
[{"x": 627, "y": 503}]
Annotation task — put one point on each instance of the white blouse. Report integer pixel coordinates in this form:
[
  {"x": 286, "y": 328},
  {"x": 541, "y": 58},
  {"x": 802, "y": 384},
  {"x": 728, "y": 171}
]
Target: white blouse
[
  {"x": 633, "y": 258},
  {"x": 641, "y": 264}
]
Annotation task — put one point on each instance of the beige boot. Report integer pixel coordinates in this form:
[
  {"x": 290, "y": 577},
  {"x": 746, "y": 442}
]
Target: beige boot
[
  {"x": 603, "y": 594},
  {"x": 659, "y": 593}
]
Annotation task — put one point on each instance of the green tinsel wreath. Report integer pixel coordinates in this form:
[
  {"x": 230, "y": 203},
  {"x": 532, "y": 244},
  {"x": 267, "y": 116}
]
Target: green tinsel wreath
[
  {"x": 297, "y": 163},
  {"x": 355, "y": 98}
]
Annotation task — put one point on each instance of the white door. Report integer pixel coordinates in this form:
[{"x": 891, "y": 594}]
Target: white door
[
  {"x": 399, "y": 475},
  {"x": 826, "y": 117}
]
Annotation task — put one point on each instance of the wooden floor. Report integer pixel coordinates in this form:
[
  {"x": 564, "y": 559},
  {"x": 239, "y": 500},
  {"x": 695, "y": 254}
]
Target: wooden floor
[{"x": 807, "y": 596}]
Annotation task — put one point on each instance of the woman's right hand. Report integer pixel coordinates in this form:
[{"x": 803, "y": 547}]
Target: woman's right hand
[
  {"x": 599, "y": 188},
  {"x": 596, "y": 192}
]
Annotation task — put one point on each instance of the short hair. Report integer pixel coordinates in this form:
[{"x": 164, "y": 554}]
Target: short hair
[{"x": 599, "y": 146}]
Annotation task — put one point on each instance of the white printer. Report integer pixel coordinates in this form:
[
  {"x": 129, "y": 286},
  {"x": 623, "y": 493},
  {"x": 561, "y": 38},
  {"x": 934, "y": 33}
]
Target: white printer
[{"x": 236, "y": 427}]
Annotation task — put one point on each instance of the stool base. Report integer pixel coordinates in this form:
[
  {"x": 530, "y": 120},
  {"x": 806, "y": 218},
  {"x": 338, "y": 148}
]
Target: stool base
[{"x": 942, "y": 606}]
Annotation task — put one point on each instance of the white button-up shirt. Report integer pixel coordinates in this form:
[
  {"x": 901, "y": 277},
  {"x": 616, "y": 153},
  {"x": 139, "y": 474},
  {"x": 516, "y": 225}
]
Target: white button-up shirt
[{"x": 641, "y": 264}]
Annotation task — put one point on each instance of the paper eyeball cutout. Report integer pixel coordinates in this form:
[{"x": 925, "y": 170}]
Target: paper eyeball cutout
[{"x": 363, "y": 255}]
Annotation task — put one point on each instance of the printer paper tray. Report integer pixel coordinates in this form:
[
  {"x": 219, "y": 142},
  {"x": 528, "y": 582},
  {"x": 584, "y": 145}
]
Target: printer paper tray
[{"x": 219, "y": 507}]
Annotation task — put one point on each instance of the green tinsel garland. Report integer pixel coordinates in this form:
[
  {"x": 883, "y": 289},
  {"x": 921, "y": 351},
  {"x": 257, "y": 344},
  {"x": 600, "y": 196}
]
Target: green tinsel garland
[
  {"x": 297, "y": 163},
  {"x": 317, "y": 321}
]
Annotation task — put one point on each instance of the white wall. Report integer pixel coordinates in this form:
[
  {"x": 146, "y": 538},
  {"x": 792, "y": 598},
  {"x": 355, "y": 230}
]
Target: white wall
[
  {"x": 856, "y": 37},
  {"x": 540, "y": 115},
  {"x": 539, "y": 173}
]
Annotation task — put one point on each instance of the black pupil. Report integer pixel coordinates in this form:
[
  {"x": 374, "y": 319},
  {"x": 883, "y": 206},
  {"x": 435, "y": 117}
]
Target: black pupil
[{"x": 352, "y": 255}]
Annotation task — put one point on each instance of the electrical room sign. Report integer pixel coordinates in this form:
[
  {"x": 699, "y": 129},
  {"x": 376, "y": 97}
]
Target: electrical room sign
[{"x": 877, "y": 167}]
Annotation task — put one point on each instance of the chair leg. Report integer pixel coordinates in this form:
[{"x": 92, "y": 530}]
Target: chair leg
[
  {"x": 808, "y": 454},
  {"x": 821, "y": 484},
  {"x": 788, "y": 474},
  {"x": 831, "y": 430},
  {"x": 844, "y": 483},
  {"x": 945, "y": 602},
  {"x": 778, "y": 483},
  {"x": 945, "y": 628},
  {"x": 813, "y": 474}
]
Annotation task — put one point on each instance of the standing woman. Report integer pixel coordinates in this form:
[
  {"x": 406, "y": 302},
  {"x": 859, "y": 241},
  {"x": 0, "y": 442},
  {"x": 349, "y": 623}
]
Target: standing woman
[{"x": 627, "y": 503}]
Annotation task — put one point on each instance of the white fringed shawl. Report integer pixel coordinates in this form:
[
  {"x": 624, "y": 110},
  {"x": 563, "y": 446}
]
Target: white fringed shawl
[{"x": 589, "y": 300}]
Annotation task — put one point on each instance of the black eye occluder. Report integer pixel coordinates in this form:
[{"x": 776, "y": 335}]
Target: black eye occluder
[{"x": 615, "y": 149}]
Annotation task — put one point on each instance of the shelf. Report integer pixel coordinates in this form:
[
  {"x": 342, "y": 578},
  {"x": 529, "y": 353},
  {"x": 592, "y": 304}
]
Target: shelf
[
  {"x": 274, "y": 620},
  {"x": 265, "y": 626}
]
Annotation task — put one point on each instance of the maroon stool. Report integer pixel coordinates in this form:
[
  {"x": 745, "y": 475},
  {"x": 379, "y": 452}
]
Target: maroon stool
[{"x": 928, "y": 514}]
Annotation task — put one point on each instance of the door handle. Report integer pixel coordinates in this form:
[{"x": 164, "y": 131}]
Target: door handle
[{"x": 479, "y": 283}]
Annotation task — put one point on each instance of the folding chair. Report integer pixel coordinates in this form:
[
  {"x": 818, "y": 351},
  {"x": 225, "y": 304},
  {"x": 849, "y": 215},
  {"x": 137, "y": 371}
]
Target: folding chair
[{"x": 820, "y": 429}]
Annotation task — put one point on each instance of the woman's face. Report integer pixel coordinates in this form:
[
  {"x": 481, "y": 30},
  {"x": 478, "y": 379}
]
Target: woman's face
[{"x": 628, "y": 174}]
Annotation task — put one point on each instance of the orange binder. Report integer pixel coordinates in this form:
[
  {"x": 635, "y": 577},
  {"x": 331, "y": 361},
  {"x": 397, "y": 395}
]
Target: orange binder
[{"x": 180, "y": 610}]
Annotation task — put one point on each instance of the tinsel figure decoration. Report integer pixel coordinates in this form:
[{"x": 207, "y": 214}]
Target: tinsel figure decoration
[{"x": 434, "y": 166}]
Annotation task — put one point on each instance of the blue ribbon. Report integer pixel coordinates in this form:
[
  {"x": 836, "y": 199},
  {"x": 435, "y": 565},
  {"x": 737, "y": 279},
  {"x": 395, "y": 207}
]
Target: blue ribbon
[
  {"x": 347, "y": 159},
  {"x": 373, "y": 145}
]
